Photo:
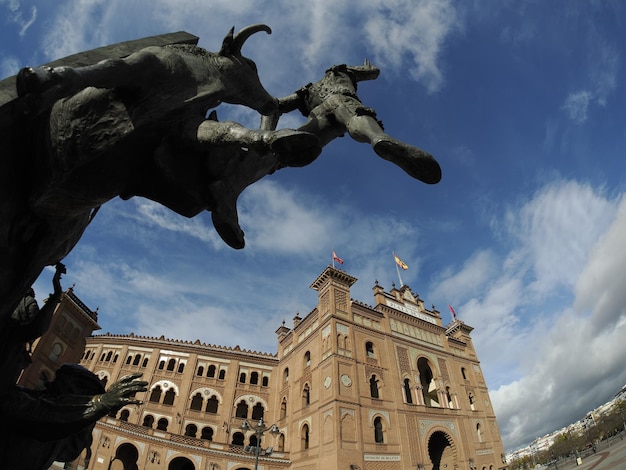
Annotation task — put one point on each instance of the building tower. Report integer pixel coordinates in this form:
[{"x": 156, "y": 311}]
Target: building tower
[
  {"x": 63, "y": 343},
  {"x": 383, "y": 387}
]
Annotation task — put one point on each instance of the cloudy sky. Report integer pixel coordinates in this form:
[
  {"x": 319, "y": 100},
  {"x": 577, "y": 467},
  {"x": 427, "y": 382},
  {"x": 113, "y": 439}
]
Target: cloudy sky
[{"x": 522, "y": 103}]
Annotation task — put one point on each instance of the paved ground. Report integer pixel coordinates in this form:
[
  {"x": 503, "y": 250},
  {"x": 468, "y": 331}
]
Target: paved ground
[{"x": 609, "y": 456}]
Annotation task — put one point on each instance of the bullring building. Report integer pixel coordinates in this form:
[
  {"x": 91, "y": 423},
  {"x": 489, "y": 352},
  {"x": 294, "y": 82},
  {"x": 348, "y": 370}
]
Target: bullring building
[{"x": 352, "y": 386}]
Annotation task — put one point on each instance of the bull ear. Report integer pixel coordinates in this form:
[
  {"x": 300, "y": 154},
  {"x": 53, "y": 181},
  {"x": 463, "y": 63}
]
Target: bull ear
[{"x": 227, "y": 43}]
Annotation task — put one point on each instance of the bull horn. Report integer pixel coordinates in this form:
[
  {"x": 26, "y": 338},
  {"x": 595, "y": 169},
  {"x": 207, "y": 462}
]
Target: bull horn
[{"x": 234, "y": 45}]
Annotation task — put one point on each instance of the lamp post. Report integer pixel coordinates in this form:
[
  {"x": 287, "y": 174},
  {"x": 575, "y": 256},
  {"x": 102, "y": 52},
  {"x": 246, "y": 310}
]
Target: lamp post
[{"x": 259, "y": 429}]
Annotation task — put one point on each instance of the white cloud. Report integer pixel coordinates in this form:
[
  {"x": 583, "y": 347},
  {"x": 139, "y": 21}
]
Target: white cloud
[
  {"x": 473, "y": 275},
  {"x": 16, "y": 15},
  {"x": 576, "y": 105},
  {"x": 555, "y": 231},
  {"x": 600, "y": 286},
  {"x": 403, "y": 36},
  {"x": 565, "y": 242},
  {"x": 415, "y": 29}
]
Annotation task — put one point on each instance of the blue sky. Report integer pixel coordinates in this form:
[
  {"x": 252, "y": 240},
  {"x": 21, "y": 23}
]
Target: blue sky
[{"x": 523, "y": 105}]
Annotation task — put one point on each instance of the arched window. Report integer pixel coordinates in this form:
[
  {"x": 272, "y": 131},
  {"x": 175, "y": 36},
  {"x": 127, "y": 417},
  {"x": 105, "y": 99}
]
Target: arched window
[
  {"x": 428, "y": 383},
  {"x": 463, "y": 373},
  {"x": 265, "y": 381},
  {"x": 200, "y": 371},
  {"x": 124, "y": 415},
  {"x": 148, "y": 421},
  {"x": 449, "y": 398},
  {"x": 286, "y": 375},
  {"x": 281, "y": 443},
  {"x": 115, "y": 358},
  {"x": 207, "y": 433},
  {"x": 129, "y": 360},
  {"x": 257, "y": 411},
  {"x": 155, "y": 396},
  {"x": 171, "y": 364},
  {"x": 137, "y": 360},
  {"x": 212, "y": 404},
  {"x": 109, "y": 355},
  {"x": 168, "y": 399},
  {"x": 306, "y": 395},
  {"x": 238, "y": 438},
  {"x": 211, "y": 371},
  {"x": 253, "y": 441},
  {"x": 369, "y": 349},
  {"x": 196, "y": 402},
  {"x": 144, "y": 363},
  {"x": 374, "y": 387},
  {"x": 86, "y": 355},
  {"x": 307, "y": 359},
  {"x": 254, "y": 378},
  {"x": 378, "y": 430},
  {"x": 407, "y": 391},
  {"x": 470, "y": 397},
  {"x": 102, "y": 357},
  {"x": 479, "y": 432},
  {"x": 304, "y": 437},
  {"x": 191, "y": 430},
  {"x": 242, "y": 410},
  {"x": 242, "y": 377},
  {"x": 161, "y": 364},
  {"x": 283, "y": 408},
  {"x": 162, "y": 424},
  {"x": 181, "y": 367},
  {"x": 222, "y": 374}
]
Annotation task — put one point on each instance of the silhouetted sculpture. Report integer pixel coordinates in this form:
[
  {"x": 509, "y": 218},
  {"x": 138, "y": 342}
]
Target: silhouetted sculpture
[
  {"x": 56, "y": 424},
  {"x": 27, "y": 323},
  {"x": 333, "y": 107},
  {"x": 135, "y": 124},
  {"x": 75, "y": 138}
]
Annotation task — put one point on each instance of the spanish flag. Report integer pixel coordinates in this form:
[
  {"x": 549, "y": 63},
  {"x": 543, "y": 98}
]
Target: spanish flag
[
  {"x": 400, "y": 263},
  {"x": 337, "y": 258}
]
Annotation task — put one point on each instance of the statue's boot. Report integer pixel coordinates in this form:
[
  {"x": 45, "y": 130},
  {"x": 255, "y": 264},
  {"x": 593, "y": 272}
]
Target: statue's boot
[
  {"x": 224, "y": 215},
  {"x": 416, "y": 162},
  {"x": 291, "y": 147},
  {"x": 294, "y": 148}
]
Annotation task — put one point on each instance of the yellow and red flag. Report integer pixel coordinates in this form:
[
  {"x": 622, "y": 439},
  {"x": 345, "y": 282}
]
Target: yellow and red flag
[{"x": 400, "y": 263}]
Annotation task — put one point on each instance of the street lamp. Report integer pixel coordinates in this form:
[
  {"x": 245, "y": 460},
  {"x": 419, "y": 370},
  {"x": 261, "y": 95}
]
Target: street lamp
[{"x": 259, "y": 429}]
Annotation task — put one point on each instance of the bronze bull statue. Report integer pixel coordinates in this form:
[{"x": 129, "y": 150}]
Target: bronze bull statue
[{"x": 76, "y": 137}]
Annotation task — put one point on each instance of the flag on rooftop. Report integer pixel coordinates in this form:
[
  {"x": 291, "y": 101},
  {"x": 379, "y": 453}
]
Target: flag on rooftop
[
  {"x": 337, "y": 258},
  {"x": 400, "y": 263},
  {"x": 452, "y": 311}
]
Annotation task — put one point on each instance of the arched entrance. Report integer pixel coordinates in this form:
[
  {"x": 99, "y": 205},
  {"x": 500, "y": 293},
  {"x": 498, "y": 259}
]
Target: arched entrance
[
  {"x": 181, "y": 463},
  {"x": 441, "y": 451},
  {"x": 126, "y": 457}
]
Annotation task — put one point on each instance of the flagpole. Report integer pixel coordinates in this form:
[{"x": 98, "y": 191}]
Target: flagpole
[{"x": 333, "y": 257}]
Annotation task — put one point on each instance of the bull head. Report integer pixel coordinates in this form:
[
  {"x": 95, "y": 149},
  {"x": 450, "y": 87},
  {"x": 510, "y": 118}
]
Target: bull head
[{"x": 244, "y": 85}]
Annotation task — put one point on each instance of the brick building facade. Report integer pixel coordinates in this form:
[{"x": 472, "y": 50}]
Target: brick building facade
[{"x": 352, "y": 386}]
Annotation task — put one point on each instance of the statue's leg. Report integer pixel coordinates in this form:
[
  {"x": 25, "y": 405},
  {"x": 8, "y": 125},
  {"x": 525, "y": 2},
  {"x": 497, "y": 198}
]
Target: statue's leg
[
  {"x": 413, "y": 160},
  {"x": 291, "y": 147}
]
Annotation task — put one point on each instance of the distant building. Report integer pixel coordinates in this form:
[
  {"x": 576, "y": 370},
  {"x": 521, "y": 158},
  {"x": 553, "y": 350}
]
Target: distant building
[
  {"x": 64, "y": 341},
  {"x": 352, "y": 386}
]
